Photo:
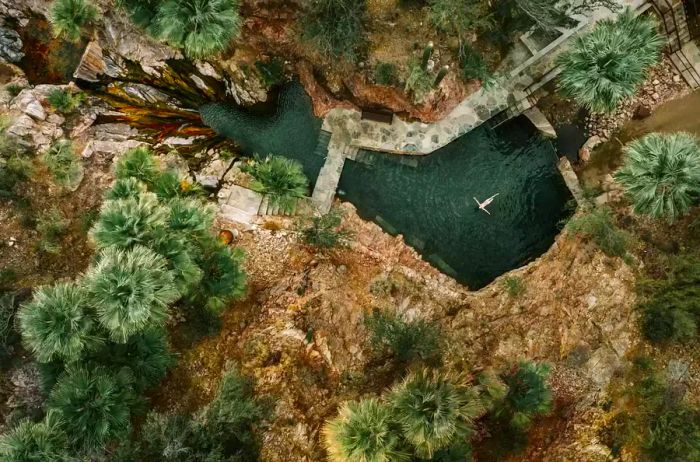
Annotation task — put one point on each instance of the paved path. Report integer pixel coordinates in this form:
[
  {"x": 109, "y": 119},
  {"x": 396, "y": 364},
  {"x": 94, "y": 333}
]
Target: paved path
[{"x": 329, "y": 176}]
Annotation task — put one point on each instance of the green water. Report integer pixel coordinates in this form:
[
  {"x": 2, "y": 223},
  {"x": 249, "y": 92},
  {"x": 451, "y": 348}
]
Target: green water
[{"x": 429, "y": 199}]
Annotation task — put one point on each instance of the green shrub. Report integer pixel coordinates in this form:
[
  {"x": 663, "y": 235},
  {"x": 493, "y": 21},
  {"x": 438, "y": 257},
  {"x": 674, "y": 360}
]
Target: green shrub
[
  {"x": 336, "y": 27},
  {"x": 528, "y": 395},
  {"x": 95, "y": 404},
  {"x": 137, "y": 163},
  {"x": 223, "y": 277},
  {"x": 41, "y": 441},
  {"x": 459, "y": 18},
  {"x": 434, "y": 411},
  {"x": 280, "y": 179},
  {"x": 514, "y": 285},
  {"x": 58, "y": 324},
  {"x": 130, "y": 290},
  {"x": 674, "y": 435},
  {"x": 201, "y": 27},
  {"x": 222, "y": 432},
  {"x": 65, "y": 167},
  {"x": 661, "y": 174},
  {"x": 419, "y": 83},
  {"x": 146, "y": 354},
  {"x": 474, "y": 67},
  {"x": 385, "y": 73},
  {"x": 325, "y": 231},
  {"x": 363, "y": 431},
  {"x": 598, "y": 225},
  {"x": 64, "y": 101},
  {"x": 607, "y": 65},
  {"x": 671, "y": 306},
  {"x": 190, "y": 218},
  {"x": 405, "y": 341},
  {"x": 51, "y": 226},
  {"x": 132, "y": 221},
  {"x": 69, "y": 17},
  {"x": 125, "y": 188},
  {"x": 14, "y": 170}
]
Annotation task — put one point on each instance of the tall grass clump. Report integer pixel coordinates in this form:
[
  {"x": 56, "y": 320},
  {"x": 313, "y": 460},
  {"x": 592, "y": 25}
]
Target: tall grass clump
[
  {"x": 69, "y": 17},
  {"x": 279, "y": 179},
  {"x": 598, "y": 225},
  {"x": 661, "y": 174},
  {"x": 64, "y": 165},
  {"x": 336, "y": 27},
  {"x": 64, "y": 101},
  {"x": 607, "y": 65},
  {"x": 201, "y": 27}
]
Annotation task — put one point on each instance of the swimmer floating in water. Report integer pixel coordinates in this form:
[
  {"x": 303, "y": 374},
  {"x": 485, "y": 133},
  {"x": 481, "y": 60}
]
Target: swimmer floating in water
[{"x": 483, "y": 205}]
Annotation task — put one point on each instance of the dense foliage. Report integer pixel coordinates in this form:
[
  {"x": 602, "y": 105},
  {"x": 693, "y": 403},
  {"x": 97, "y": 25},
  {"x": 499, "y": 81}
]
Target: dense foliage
[
  {"x": 528, "y": 395},
  {"x": 336, "y": 27},
  {"x": 280, "y": 180},
  {"x": 671, "y": 306},
  {"x": 608, "y": 64},
  {"x": 661, "y": 174},
  {"x": 201, "y": 27},
  {"x": 69, "y": 17},
  {"x": 64, "y": 101},
  {"x": 223, "y": 431},
  {"x": 99, "y": 340}
]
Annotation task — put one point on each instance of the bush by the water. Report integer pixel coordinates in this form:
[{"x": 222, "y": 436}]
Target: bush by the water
[
  {"x": 607, "y": 65},
  {"x": 69, "y": 17},
  {"x": 598, "y": 225},
  {"x": 280, "y": 180},
  {"x": 661, "y": 174},
  {"x": 325, "y": 231}
]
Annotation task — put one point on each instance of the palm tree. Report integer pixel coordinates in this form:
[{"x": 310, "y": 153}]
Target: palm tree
[
  {"x": 202, "y": 27},
  {"x": 95, "y": 404},
  {"x": 68, "y": 17},
  {"x": 41, "y": 441},
  {"x": 528, "y": 394},
  {"x": 607, "y": 65},
  {"x": 282, "y": 180},
  {"x": 363, "y": 432},
  {"x": 131, "y": 221},
  {"x": 125, "y": 188},
  {"x": 137, "y": 163},
  {"x": 58, "y": 324},
  {"x": 224, "y": 278},
  {"x": 435, "y": 411},
  {"x": 130, "y": 290},
  {"x": 661, "y": 174}
]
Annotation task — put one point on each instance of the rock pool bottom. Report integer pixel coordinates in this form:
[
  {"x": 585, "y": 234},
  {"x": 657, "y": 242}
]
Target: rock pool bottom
[{"x": 429, "y": 199}]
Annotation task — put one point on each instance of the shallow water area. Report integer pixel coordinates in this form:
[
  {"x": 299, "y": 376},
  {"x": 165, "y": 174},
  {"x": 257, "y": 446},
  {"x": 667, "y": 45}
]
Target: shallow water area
[{"x": 430, "y": 199}]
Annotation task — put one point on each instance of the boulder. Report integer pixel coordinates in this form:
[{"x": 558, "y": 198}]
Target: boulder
[
  {"x": 585, "y": 152},
  {"x": 10, "y": 45},
  {"x": 642, "y": 111},
  {"x": 540, "y": 122},
  {"x": 28, "y": 103}
]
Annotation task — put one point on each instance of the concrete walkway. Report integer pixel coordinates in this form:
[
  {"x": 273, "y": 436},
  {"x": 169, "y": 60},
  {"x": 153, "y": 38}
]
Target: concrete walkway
[{"x": 329, "y": 176}]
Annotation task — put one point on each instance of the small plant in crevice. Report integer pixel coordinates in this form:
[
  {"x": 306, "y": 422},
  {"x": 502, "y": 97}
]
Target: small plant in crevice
[
  {"x": 13, "y": 89},
  {"x": 69, "y": 17},
  {"x": 272, "y": 73},
  {"x": 325, "y": 231},
  {"x": 65, "y": 166},
  {"x": 64, "y": 101},
  {"x": 404, "y": 341},
  {"x": 514, "y": 285},
  {"x": 282, "y": 181},
  {"x": 419, "y": 83}
]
